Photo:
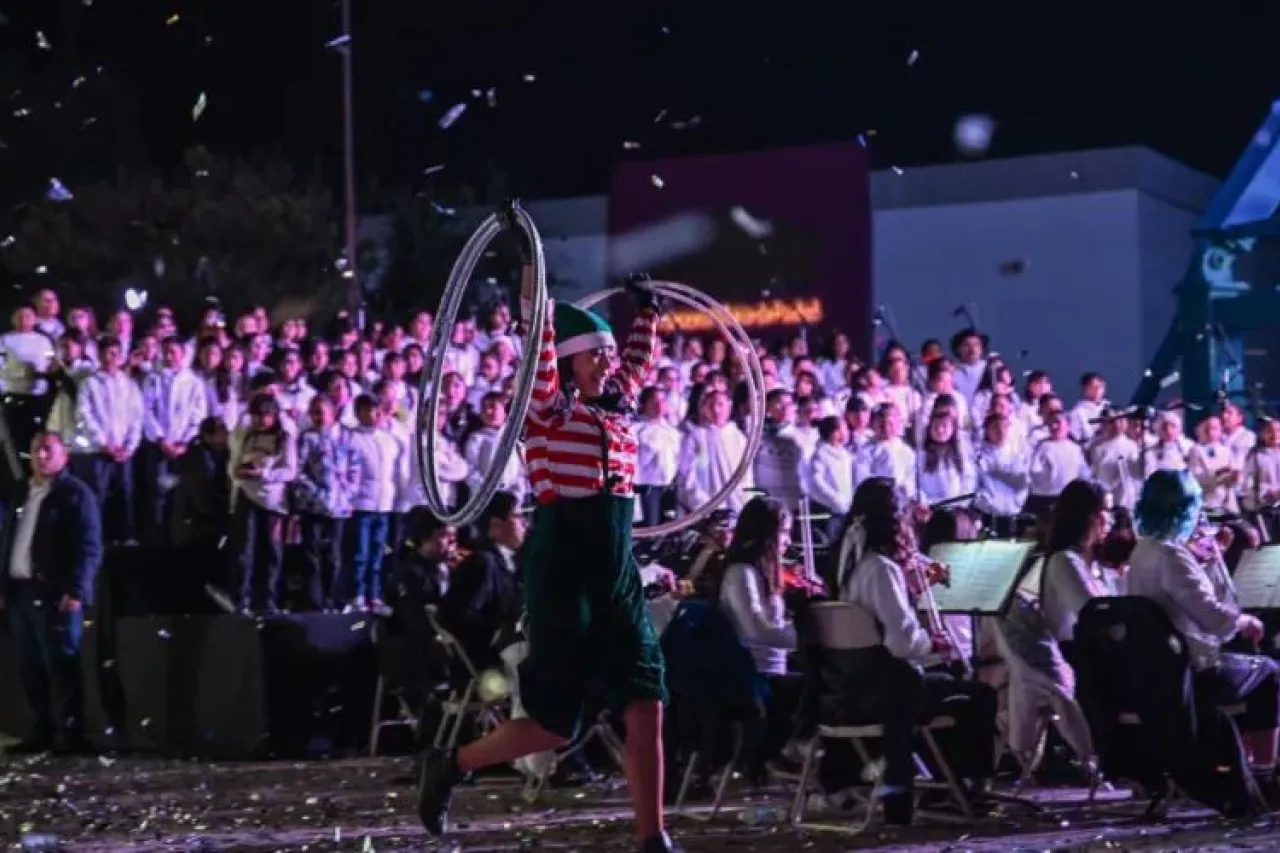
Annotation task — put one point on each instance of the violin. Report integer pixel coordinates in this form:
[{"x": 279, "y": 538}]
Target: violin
[
  {"x": 921, "y": 569},
  {"x": 794, "y": 578}
]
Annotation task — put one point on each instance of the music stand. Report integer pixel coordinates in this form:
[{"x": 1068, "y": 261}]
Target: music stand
[
  {"x": 1257, "y": 579},
  {"x": 984, "y": 576}
]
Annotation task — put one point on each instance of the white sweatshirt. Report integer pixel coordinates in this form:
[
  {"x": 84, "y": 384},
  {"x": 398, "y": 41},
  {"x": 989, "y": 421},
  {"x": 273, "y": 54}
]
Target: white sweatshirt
[{"x": 109, "y": 411}]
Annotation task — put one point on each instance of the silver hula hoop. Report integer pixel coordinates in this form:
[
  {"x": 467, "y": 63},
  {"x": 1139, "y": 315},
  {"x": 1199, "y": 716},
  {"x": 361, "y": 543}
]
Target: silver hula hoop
[
  {"x": 433, "y": 370},
  {"x": 737, "y": 336}
]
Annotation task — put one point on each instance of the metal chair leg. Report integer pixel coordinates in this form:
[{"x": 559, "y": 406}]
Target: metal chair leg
[
  {"x": 807, "y": 770},
  {"x": 374, "y": 728}
]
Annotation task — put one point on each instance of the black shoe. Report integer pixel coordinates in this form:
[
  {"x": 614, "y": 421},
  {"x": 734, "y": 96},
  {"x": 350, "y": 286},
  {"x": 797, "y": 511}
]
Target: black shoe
[
  {"x": 660, "y": 843},
  {"x": 437, "y": 778}
]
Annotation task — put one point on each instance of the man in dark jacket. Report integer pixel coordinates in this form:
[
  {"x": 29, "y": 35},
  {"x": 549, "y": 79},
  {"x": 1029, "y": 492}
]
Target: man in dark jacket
[
  {"x": 484, "y": 603},
  {"x": 52, "y": 549}
]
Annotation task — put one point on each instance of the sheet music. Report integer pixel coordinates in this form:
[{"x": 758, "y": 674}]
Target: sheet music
[
  {"x": 982, "y": 574},
  {"x": 1257, "y": 579}
]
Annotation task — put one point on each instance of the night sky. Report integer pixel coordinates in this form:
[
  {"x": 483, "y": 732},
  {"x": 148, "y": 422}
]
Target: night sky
[{"x": 1053, "y": 77}]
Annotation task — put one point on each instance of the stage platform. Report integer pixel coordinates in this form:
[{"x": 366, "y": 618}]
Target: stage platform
[
  {"x": 147, "y": 806},
  {"x": 222, "y": 686}
]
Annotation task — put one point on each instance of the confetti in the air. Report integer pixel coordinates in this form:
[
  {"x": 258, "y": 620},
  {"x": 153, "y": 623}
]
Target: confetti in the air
[
  {"x": 58, "y": 192},
  {"x": 629, "y": 145},
  {"x": 756, "y": 229},
  {"x": 530, "y": 78},
  {"x": 657, "y": 181},
  {"x": 455, "y": 113},
  {"x": 198, "y": 110},
  {"x": 42, "y": 41},
  {"x": 973, "y": 134},
  {"x": 913, "y": 57},
  {"x": 431, "y": 170},
  {"x": 173, "y": 19}
]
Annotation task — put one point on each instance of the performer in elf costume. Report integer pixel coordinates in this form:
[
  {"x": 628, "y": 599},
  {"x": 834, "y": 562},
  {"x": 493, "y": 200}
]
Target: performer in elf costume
[{"x": 586, "y": 616}]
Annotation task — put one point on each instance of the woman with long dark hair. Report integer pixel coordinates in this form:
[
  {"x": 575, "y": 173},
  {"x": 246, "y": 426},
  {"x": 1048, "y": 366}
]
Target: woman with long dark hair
[
  {"x": 878, "y": 543},
  {"x": 1035, "y": 635},
  {"x": 749, "y": 591}
]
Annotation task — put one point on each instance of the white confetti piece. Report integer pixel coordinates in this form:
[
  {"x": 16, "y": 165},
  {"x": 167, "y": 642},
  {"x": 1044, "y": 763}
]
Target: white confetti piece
[
  {"x": 202, "y": 102},
  {"x": 913, "y": 57},
  {"x": 629, "y": 145},
  {"x": 657, "y": 181},
  {"x": 431, "y": 170},
  {"x": 172, "y": 19},
  {"x": 897, "y": 170},
  {"x": 491, "y": 97},
  {"x": 660, "y": 116},
  {"x": 756, "y": 229},
  {"x": 455, "y": 112},
  {"x": 530, "y": 78},
  {"x": 42, "y": 41}
]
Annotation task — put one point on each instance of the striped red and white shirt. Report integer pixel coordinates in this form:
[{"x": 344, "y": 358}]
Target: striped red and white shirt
[{"x": 564, "y": 448}]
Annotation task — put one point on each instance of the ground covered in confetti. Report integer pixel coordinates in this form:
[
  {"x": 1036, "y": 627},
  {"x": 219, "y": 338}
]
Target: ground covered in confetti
[{"x": 365, "y": 805}]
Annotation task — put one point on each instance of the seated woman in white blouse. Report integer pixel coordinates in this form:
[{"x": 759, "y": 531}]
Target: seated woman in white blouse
[
  {"x": 749, "y": 593},
  {"x": 879, "y": 541},
  {"x": 1039, "y": 628}
]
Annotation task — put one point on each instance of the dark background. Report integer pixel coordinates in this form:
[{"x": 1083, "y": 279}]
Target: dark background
[{"x": 1193, "y": 82}]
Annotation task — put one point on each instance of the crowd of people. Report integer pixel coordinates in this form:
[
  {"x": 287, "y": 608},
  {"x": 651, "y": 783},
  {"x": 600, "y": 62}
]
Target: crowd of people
[{"x": 241, "y": 438}]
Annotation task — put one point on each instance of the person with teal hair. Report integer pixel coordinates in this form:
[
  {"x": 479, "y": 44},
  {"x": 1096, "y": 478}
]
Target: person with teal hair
[{"x": 1199, "y": 599}]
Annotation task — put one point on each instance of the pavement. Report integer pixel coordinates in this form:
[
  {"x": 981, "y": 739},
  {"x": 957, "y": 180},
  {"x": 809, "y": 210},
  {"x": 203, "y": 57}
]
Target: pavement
[{"x": 141, "y": 805}]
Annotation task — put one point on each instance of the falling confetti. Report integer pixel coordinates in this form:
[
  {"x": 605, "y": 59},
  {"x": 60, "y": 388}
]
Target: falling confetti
[
  {"x": 629, "y": 145},
  {"x": 199, "y": 108},
  {"x": 657, "y": 181},
  {"x": 530, "y": 78},
  {"x": 42, "y": 41},
  {"x": 912, "y": 57},
  {"x": 173, "y": 19},
  {"x": 58, "y": 192},
  {"x": 431, "y": 170},
  {"x": 455, "y": 112},
  {"x": 756, "y": 229}
]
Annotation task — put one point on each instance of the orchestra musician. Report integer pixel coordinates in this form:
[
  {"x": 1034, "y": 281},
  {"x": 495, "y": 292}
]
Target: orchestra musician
[
  {"x": 880, "y": 542},
  {"x": 1261, "y": 492},
  {"x": 1199, "y": 600},
  {"x": 747, "y": 585},
  {"x": 1035, "y": 636}
]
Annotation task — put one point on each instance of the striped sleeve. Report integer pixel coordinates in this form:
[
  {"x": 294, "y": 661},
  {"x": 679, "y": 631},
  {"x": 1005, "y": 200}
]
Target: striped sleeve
[
  {"x": 546, "y": 381},
  {"x": 637, "y": 358}
]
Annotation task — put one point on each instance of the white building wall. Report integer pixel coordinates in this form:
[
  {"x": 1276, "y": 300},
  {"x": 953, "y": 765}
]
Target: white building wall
[{"x": 1075, "y": 305}]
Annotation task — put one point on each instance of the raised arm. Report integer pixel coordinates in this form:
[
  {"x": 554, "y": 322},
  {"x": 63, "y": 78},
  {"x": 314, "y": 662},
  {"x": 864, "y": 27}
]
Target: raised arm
[
  {"x": 639, "y": 353},
  {"x": 546, "y": 382}
]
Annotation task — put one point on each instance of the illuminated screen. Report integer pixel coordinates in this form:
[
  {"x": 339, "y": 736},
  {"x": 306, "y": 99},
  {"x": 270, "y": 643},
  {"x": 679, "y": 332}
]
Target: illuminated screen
[{"x": 800, "y": 255}]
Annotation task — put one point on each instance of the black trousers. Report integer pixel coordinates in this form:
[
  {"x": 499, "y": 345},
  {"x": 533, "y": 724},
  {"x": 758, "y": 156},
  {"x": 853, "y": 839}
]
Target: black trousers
[
  {"x": 767, "y": 733},
  {"x": 47, "y": 647},
  {"x": 1253, "y": 680},
  {"x": 112, "y": 483},
  {"x": 322, "y": 546},
  {"x": 257, "y": 535},
  {"x": 153, "y": 466}
]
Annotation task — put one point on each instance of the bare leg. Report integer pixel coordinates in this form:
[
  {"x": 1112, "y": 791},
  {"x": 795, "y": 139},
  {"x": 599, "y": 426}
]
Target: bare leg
[
  {"x": 644, "y": 765},
  {"x": 509, "y": 741}
]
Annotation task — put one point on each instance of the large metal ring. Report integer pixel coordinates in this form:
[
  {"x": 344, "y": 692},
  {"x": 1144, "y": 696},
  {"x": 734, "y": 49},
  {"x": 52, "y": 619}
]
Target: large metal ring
[
  {"x": 737, "y": 336},
  {"x": 433, "y": 370}
]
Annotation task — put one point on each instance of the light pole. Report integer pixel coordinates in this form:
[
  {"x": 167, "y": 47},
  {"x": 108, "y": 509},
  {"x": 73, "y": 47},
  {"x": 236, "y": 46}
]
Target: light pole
[{"x": 349, "y": 161}]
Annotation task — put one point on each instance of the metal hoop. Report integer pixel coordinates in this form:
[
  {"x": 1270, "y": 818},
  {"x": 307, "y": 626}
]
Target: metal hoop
[
  {"x": 731, "y": 329},
  {"x": 433, "y": 370}
]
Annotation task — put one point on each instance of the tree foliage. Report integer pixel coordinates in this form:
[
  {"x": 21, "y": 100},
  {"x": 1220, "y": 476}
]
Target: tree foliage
[
  {"x": 249, "y": 232},
  {"x": 427, "y": 232}
]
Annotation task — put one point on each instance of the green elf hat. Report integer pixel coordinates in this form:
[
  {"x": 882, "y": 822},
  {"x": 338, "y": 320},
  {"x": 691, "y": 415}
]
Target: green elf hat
[{"x": 579, "y": 330}]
